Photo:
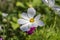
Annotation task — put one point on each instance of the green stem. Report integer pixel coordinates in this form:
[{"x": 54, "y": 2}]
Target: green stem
[
  {"x": 3, "y": 29},
  {"x": 55, "y": 21},
  {"x": 29, "y": 37}
]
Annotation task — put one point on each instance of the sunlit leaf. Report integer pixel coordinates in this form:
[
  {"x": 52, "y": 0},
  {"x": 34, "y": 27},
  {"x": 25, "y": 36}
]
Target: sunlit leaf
[
  {"x": 36, "y": 2},
  {"x": 20, "y": 4},
  {"x": 14, "y": 25}
]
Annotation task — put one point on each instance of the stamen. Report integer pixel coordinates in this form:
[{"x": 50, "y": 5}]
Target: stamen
[{"x": 32, "y": 20}]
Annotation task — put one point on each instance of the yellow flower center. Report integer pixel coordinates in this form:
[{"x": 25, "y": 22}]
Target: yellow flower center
[{"x": 32, "y": 20}]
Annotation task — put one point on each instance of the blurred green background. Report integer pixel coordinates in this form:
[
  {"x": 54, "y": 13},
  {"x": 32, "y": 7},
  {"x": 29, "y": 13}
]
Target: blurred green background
[{"x": 11, "y": 29}]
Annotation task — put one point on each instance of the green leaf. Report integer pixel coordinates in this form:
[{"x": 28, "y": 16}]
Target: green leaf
[
  {"x": 0, "y": 12},
  {"x": 19, "y": 14},
  {"x": 14, "y": 25},
  {"x": 14, "y": 19},
  {"x": 20, "y": 4},
  {"x": 36, "y": 2}
]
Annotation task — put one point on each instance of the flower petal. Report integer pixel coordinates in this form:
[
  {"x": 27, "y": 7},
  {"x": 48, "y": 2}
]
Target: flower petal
[
  {"x": 24, "y": 15},
  {"x": 31, "y": 30},
  {"x": 22, "y": 21},
  {"x": 40, "y": 23},
  {"x": 34, "y": 24},
  {"x": 25, "y": 27},
  {"x": 56, "y": 8},
  {"x": 45, "y": 1},
  {"x": 4, "y": 14},
  {"x": 51, "y": 3},
  {"x": 37, "y": 17},
  {"x": 31, "y": 12},
  {"x": 1, "y": 38}
]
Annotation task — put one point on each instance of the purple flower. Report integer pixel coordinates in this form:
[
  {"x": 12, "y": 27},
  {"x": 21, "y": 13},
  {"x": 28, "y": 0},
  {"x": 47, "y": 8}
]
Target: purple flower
[
  {"x": 1, "y": 38},
  {"x": 31, "y": 31}
]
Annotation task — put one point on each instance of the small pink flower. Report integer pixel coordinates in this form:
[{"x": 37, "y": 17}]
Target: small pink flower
[
  {"x": 1, "y": 38},
  {"x": 30, "y": 31}
]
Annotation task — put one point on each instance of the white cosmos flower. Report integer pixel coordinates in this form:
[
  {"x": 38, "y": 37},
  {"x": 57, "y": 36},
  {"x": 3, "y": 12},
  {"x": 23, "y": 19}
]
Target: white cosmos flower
[
  {"x": 28, "y": 20},
  {"x": 50, "y": 3},
  {"x": 56, "y": 8},
  {"x": 4, "y": 14}
]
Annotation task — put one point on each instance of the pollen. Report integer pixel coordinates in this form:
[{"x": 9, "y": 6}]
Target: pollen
[{"x": 32, "y": 20}]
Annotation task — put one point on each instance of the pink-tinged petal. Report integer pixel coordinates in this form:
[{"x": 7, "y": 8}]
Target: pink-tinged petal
[{"x": 30, "y": 31}]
